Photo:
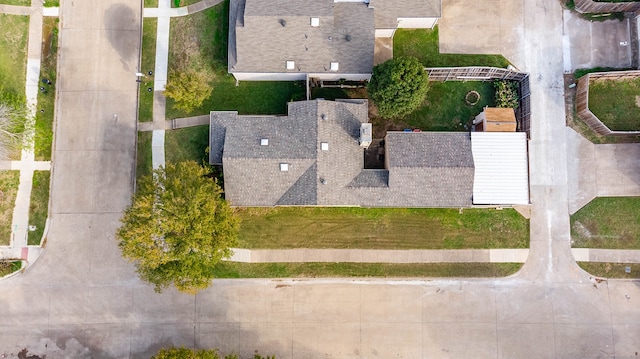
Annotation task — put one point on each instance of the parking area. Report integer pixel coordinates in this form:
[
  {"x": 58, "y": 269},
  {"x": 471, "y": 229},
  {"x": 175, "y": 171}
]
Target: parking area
[
  {"x": 483, "y": 27},
  {"x": 588, "y": 44}
]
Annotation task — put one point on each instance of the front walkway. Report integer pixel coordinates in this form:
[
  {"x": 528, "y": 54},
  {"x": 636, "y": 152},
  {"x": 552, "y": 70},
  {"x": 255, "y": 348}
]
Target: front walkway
[{"x": 18, "y": 247}]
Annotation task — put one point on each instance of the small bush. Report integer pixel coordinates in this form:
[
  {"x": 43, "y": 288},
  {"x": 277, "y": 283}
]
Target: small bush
[{"x": 506, "y": 94}]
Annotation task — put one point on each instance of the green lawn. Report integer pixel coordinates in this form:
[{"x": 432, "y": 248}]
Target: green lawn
[
  {"x": 9, "y": 267},
  {"x": 312, "y": 270},
  {"x": 9, "y": 181},
  {"x": 611, "y": 270},
  {"x": 51, "y": 3},
  {"x": 199, "y": 42},
  {"x": 381, "y": 228},
  {"x": 16, "y": 2},
  {"x": 444, "y": 108},
  {"x": 423, "y": 44},
  {"x": 150, "y": 3},
  {"x": 39, "y": 206},
  {"x": 13, "y": 52},
  {"x": 143, "y": 163},
  {"x": 181, "y": 3},
  {"x": 187, "y": 144},
  {"x": 46, "y": 101},
  {"x": 607, "y": 222},
  {"x": 148, "y": 63},
  {"x": 616, "y": 103}
]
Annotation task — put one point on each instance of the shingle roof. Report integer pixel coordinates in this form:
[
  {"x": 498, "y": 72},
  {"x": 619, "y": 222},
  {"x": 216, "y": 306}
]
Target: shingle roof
[
  {"x": 267, "y": 34},
  {"x": 387, "y": 12},
  {"x": 429, "y": 149},
  {"x": 424, "y": 169}
]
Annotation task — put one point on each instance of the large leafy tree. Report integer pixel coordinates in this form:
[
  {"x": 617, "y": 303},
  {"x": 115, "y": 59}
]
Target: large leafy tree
[
  {"x": 178, "y": 227},
  {"x": 188, "y": 88},
  {"x": 398, "y": 86}
]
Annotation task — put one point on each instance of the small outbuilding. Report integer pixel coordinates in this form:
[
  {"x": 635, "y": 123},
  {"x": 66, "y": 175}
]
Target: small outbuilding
[{"x": 494, "y": 119}]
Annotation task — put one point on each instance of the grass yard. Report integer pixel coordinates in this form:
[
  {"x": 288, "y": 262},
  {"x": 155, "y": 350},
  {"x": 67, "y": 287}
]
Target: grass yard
[
  {"x": 381, "y": 228},
  {"x": 9, "y": 181},
  {"x": 423, "y": 44},
  {"x": 51, "y": 3},
  {"x": 150, "y": 3},
  {"x": 9, "y": 267},
  {"x": 39, "y": 206},
  {"x": 16, "y": 2},
  {"x": 611, "y": 270},
  {"x": 313, "y": 270},
  {"x": 181, "y": 3},
  {"x": 187, "y": 144},
  {"x": 46, "y": 101},
  {"x": 607, "y": 222},
  {"x": 13, "y": 52},
  {"x": 147, "y": 64},
  {"x": 616, "y": 103},
  {"x": 199, "y": 42},
  {"x": 143, "y": 163},
  {"x": 444, "y": 108}
]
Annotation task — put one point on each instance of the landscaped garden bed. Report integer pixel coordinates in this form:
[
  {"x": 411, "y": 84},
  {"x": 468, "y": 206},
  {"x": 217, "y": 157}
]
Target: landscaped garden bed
[{"x": 607, "y": 222}]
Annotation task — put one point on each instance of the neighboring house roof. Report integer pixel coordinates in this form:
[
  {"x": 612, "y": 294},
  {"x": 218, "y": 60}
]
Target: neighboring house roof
[
  {"x": 387, "y": 12},
  {"x": 501, "y": 175},
  {"x": 265, "y": 35},
  {"x": 500, "y": 119}
]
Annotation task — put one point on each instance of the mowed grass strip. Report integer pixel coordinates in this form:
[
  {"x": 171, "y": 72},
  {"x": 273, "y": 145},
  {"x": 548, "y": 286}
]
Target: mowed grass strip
[
  {"x": 144, "y": 164},
  {"x": 616, "y": 103},
  {"x": 423, "y": 44},
  {"x": 147, "y": 63},
  {"x": 16, "y": 2},
  {"x": 39, "y": 206},
  {"x": 9, "y": 181},
  {"x": 199, "y": 42},
  {"x": 13, "y": 52},
  {"x": 47, "y": 99},
  {"x": 611, "y": 270},
  {"x": 381, "y": 228},
  {"x": 380, "y": 270},
  {"x": 607, "y": 222}
]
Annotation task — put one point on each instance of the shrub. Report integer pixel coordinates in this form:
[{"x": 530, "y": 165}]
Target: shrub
[{"x": 506, "y": 93}]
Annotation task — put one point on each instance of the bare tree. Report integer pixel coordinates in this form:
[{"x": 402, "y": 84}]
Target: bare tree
[{"x": 11, "y": 129}]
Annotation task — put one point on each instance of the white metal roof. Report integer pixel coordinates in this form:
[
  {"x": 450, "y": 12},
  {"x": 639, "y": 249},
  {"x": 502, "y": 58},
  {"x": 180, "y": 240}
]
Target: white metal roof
[{"x": 501, "y": 168}]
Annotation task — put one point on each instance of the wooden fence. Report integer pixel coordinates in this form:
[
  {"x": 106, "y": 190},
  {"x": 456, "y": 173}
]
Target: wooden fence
[
  {"x": 590, "y": 6},
  {"x": 475, "y": 73},
  {"x": 582, "y": 100}
]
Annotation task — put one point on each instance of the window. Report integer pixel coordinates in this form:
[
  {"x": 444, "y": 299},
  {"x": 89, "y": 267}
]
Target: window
[
  {"x": 334, "y": 66},
  {"x": 291, "y": 65},
  {"x": 284, "y": 167},
  {"x": 315, "y": 21}
]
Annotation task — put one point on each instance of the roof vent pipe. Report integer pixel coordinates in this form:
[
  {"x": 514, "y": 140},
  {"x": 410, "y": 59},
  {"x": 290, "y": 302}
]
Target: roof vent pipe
[{"x": 282, "y": 22}]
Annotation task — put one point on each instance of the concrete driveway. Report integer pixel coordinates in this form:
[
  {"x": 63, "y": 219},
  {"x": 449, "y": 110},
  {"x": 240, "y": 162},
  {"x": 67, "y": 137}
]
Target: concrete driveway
[
  {"x": 589, "y": 44},
  {"x": 81, "y": 300}
]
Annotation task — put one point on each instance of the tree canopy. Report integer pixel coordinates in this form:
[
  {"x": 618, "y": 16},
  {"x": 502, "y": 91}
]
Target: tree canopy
[
  {"x": 188, "y": 88},
  {"x": 184, "y": 353},
  {"x": 398, "y": 86},
  {"x": 178, "y": 227}
]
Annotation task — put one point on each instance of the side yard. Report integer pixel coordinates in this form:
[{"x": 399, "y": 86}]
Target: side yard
[
  {"x": 199, "y": 42},
  {"x": 607, "y": 222}
]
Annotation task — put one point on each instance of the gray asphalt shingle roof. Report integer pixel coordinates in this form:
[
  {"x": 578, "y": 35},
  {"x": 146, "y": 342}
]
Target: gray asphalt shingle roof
[
  {"x": 267, "y": 34},
  {"x": 426, "y": 169}
]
